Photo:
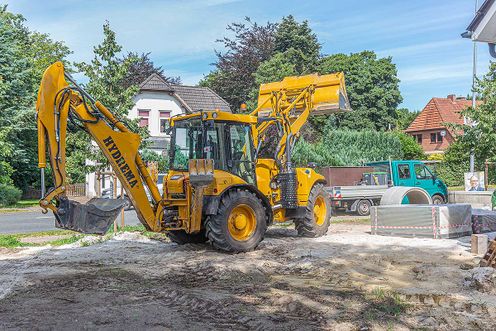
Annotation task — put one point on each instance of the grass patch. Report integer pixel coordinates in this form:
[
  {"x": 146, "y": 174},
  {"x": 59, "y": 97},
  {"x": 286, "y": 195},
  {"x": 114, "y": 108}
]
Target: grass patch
[
  {"x": 65, "y": 241},
  {"x": 10, "y": 241},
  {"x": 44, "y": 233},
  {"x": 386, "y": 302},
  {"x": 22, "y": 204},
  {"x": 130, "y": 228}
]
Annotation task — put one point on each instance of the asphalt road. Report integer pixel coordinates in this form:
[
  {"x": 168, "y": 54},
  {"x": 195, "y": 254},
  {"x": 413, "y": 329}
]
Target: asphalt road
[{"x": 25, "y": 222}]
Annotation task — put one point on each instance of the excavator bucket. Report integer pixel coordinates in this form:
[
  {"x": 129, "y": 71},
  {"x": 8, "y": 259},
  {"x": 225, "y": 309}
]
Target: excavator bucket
[
  {"x": 201, "y": 172},
  {"x": 94, "y": 217}
]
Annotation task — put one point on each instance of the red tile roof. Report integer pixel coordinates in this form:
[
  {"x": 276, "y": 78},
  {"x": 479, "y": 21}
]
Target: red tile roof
[{"x": 438, "y": 112}]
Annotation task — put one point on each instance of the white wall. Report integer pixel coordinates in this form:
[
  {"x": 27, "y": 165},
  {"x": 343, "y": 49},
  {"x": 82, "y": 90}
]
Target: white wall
[{"x": 155, "y": 102}]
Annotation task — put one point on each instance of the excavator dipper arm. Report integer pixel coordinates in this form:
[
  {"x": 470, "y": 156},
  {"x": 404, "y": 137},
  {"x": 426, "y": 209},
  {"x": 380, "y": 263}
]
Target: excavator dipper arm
[{"x": 59, "y": 102}]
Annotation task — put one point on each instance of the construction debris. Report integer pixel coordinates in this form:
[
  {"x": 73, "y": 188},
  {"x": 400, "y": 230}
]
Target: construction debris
[{"x": 489, "y": 259}]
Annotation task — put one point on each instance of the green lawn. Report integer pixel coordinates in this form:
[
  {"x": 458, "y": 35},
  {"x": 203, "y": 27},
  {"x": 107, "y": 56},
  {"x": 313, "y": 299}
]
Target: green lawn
[
  {"x": 14, "y": 240},
  {"x": 19, "y": 205}
]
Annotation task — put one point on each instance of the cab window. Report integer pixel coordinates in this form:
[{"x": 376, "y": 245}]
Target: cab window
[
  {"x": 404, "y": 171},
  {"x": 421, "y": 172},
  {"x": 240, "y": 152}
]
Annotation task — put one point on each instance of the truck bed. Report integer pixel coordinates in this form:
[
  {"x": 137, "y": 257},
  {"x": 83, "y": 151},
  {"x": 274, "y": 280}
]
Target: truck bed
[{"x": 360, "y": 191}]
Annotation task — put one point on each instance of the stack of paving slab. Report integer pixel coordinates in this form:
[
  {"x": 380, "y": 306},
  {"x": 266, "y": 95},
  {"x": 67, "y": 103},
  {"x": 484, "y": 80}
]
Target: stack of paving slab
[{"x": 425, "y": 221}]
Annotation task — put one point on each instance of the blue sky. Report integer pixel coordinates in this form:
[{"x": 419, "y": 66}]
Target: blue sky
[{"x": 422, "y": 36}]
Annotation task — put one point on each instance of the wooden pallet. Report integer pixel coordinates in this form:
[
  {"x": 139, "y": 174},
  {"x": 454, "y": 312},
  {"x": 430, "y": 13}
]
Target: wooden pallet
[{"x": 489, "y": 259}]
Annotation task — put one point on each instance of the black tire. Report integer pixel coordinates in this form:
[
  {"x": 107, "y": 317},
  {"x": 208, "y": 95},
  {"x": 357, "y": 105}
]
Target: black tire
[
  {"x": 363, "y": 208},
  {"x": 308, "y": 226},
  {"x": 218, "y": 228},
  {"x": 180, "y": 237},
  {"x": 437, "y": 200}
]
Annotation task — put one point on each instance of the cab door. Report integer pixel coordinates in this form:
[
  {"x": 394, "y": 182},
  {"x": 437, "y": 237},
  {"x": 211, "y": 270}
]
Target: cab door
[
  {"x": 404, "y": 174},
  {"x": 424, "y": 178}
]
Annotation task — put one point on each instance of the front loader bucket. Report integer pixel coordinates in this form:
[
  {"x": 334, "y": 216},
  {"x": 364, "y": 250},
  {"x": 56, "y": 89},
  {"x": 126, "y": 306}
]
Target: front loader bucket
[{"x": 94, "y": 217}]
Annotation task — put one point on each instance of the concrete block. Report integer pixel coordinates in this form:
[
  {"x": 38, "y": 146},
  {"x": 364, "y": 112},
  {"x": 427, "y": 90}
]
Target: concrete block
[{"x": 479, "y": 244}]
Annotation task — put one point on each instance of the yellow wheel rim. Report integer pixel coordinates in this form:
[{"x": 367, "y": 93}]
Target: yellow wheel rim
[
  {"x": 242, "y": 222},
  {"x": 320, "y": 210}
]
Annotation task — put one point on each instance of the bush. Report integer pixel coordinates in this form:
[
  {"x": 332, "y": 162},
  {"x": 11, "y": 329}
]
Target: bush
[
  {"x": 348, "y": 148},
  {"x": 9, "y": 195},
  {"x": 411, "y": 149},
  {"x": 150, "y": 156}
]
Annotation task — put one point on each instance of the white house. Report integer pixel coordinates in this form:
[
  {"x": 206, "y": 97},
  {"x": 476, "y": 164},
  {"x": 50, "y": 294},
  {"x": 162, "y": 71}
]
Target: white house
[{"x": 155, "y": 103}]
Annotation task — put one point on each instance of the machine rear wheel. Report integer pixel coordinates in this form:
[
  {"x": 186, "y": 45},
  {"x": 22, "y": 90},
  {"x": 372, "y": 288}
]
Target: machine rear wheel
[
  {"x": 180, "y": 237},
  {"x": 317, "y": 215},
  {"x": 240, "y": 222}
]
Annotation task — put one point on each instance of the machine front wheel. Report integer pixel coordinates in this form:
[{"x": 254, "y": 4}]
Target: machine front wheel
[
  {"x": 240, "y": 222},
  {"x": 317, "y": 217}
]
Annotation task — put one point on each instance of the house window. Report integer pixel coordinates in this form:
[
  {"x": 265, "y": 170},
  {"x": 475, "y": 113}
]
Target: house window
[
  {"x": 418, "y": 138},
  {"x": 439, "y": 137},
  {"x": 436, "y": 137},
  {"x": 164, "y": 120},
  {"x": 143, "y": 115}
]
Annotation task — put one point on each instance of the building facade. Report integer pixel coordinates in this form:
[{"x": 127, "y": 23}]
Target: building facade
[{"x": 430, "y": 128}]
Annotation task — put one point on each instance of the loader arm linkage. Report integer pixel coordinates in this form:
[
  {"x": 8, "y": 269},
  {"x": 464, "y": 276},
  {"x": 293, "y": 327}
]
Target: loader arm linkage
[{"x": 59, "y": 102}]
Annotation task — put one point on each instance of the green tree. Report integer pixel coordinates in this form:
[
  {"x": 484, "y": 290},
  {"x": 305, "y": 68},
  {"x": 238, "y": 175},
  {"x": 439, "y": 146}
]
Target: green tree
[
  {"x": 373, "y": 89},
  {"x": 482, "y": 136},
  {"x": 404, "y": 118},
  {"x": 232, "y": 77},
  {"x": 105, "y": 73},
  {"x": 298, "y": 43},
  {"x": 410, "y": 148},
  {"x": 24, "y": 55},
  {"x": 140, "y": 68}
]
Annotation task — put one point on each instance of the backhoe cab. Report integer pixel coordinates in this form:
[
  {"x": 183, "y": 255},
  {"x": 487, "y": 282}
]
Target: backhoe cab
[{"x": 218, "y": 189}]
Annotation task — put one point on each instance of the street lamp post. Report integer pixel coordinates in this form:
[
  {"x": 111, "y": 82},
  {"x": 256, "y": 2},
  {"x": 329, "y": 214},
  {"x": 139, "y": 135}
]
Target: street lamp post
[{"x": 474, "y": 96}]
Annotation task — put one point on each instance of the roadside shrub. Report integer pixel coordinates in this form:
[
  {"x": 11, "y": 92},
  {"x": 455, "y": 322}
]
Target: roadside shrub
[
  {"x": 348, "y": 148},
  {"x": 9, "y": 195},
  {"x": 411, "y": 149}
]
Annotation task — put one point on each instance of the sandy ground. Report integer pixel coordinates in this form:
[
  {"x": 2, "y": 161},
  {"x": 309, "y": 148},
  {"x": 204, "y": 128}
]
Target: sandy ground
[{"x": 347, "y": 280}]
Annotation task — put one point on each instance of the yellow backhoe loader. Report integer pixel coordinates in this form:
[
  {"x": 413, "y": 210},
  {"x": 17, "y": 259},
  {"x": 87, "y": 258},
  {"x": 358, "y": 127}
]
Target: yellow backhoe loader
[{"x": 217, "y": 189}]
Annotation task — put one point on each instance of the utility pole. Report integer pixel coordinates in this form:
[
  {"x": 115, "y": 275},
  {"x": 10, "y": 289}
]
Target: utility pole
[{"x": 474, "y": 96}]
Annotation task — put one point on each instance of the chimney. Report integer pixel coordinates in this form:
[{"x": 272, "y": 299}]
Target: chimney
[{"x": 452, "y": 97}]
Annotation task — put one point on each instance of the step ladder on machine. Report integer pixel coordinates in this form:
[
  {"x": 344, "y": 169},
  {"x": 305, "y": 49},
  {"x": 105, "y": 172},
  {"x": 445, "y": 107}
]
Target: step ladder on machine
[{"x": 489, "y": 259}]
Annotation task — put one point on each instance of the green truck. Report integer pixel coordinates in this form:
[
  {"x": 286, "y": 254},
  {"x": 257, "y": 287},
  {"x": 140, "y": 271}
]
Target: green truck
[{"x": 356, "y": 189}]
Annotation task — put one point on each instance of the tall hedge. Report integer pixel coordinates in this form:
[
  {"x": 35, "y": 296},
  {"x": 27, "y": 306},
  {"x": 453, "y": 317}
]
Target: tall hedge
[{"x": 348, "y": 148}]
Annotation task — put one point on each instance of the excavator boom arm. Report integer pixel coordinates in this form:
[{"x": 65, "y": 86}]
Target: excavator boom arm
[{"x": 59, "y": 102}]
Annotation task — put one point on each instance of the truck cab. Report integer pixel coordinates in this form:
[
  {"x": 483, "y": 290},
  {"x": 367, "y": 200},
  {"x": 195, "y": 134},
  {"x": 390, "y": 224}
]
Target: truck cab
[{"x": 415, "y": 173}]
